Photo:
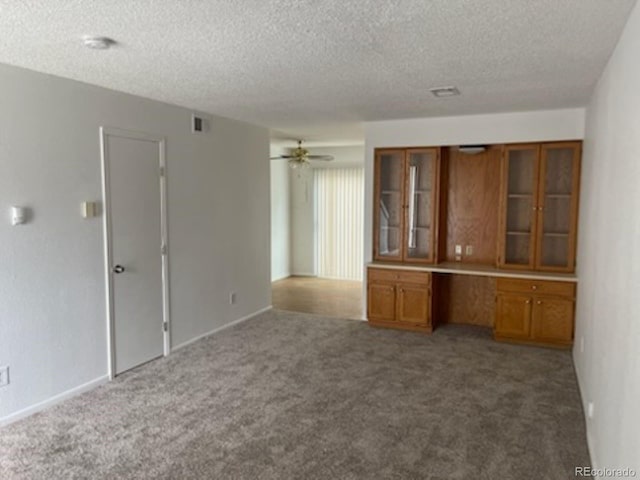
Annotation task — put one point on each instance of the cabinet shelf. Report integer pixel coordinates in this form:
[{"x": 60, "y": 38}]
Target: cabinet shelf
[
  {"x": 555, "y": 234},
  {"x": 390, "y": 192},
  {"x": 558, "y": 195},
  {"x": 519, "y": 195},
  {"x": 518, "y": 233},
  {"x": 389, "y": 227}
]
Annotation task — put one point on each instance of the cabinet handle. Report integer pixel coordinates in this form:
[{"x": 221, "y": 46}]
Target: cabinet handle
[
  {"x": 528, "y": 302},
  {"x": 534, "y": 287},
  {"x": 539, "y": 302}
]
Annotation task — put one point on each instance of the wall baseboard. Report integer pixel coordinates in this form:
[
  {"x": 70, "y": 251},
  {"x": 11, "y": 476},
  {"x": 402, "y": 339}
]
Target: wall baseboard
[
  {"x": 223, "y": 327},
  {"x": 85, "y": 387},
  {"x": 281, "y": 277},
  {"x": 25, "y": 412},
  {"x": 590, "y": 439}
]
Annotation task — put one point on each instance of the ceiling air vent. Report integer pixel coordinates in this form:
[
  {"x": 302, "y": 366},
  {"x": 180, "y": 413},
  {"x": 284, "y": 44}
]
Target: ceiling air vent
[
  {"x": 200, "y": 123},
  {"x": 448, "y": 91}
]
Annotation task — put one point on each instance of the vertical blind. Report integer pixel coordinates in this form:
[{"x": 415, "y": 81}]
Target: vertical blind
[{"x": 339, "y": 222}]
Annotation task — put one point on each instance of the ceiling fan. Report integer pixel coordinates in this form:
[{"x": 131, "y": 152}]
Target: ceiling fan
[{"x": 299, "y": 157}]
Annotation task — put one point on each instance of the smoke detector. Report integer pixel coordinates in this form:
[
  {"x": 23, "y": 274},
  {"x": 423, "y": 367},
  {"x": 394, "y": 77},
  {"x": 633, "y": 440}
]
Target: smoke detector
[{"x": 98, "y": 43}]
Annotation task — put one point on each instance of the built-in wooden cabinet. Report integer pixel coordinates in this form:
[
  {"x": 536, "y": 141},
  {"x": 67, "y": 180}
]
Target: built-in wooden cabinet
[
  {"x": 535, "y": 311},
  {"x": 405, "y": 201},
  {"x": 400, "y": 299},
  {"x": 480, "y": 210},
  {"x": 539, "y": 206}
]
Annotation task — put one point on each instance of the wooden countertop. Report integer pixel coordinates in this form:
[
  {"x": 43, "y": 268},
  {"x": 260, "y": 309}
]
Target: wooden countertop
[{"x": 476, "y": 269}]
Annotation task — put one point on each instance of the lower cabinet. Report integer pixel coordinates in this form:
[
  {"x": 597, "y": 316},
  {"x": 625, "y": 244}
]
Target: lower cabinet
[
  {"x": 399, "y": 299},
  {"x": 535, "y": 311}
]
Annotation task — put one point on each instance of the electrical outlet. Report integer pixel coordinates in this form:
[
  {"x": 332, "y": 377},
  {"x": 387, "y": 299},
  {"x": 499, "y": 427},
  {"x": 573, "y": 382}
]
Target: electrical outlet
[
  {"x": 4, "y": 376},
  {"x": 590, "y": 409},
  {"x": 468, "y": 250},
  {"x": 232, "y": 298},
  {"x": 458, "y": 252}
]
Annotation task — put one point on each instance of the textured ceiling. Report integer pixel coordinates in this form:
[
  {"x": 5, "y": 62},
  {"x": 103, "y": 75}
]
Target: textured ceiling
[{"x": 317, "y": 68}]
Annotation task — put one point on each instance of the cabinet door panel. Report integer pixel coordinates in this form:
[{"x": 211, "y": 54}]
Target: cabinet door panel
[
  {"x": 389, "y": 202},
  {"x": 558, "y": 204},
  {"x": 381, "y": 302},
  {"x": 519, "y": 199},
  {"x": 552, "y": 320},
  {"x": 414, "y": 304},
  {"x": 513, "y": 316},
  {"x": 421, "y": 189}
]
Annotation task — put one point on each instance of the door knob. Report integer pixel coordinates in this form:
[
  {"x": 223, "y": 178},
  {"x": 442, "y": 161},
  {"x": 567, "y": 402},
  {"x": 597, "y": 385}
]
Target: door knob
[{"x": 118, "y": 269}]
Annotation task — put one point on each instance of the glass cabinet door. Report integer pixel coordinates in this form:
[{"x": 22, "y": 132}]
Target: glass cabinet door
[
  {"x": 520, "y": 177},
  {"x": 558, "y": 206},
  {"x": 420, "y": 204},
  {"x": 389, "y": 203}
]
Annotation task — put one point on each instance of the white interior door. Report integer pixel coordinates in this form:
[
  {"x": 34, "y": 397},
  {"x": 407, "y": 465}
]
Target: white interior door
[{"x": 135, "y": 227}]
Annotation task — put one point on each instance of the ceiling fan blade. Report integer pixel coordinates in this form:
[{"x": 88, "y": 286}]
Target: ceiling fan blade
[
  {"x": 282, "y": 157},
  {"x": 320, "y": 157}
]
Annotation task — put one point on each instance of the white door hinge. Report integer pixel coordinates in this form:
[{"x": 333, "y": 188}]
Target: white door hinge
[
  {"x": 165, "y": 326},
  {"x": 163, "y": 249},
  {"x": 162, "y": 171}
]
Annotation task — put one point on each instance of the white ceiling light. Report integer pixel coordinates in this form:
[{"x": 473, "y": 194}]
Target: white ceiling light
[
  {"x": 445, "y": 91},
  {"x": 98, "y": 43},
  {"x": 472, "y": 149}
]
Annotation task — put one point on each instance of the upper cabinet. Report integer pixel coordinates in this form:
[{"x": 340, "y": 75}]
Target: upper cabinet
[
  {"x": 406, "y": 192},
  {"x": 539, "y": 205}
]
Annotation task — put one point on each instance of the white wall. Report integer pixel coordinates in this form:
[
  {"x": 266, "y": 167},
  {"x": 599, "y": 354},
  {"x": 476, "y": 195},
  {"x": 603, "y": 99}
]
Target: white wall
[
  {"x": 303, "y": 227},
  {"x": 608, "y": 310},
  {"x": 537, "y": 126},
  {"x": 280, "y": 224},
  {"x": 52, "y": 307}
]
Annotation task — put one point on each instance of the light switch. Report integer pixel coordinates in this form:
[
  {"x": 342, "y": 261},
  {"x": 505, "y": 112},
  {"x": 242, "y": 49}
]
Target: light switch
[
  {"x": 89, "y": 209},
  {"x": 18, "y": 215}
]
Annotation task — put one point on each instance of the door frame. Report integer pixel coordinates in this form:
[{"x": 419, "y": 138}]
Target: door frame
[{"x": 107, "y": 232}]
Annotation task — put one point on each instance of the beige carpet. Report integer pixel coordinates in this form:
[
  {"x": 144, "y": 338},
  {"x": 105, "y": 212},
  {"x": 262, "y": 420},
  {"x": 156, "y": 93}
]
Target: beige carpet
[{"x": 291, "y": 396}]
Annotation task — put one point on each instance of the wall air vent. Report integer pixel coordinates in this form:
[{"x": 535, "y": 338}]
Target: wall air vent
[
  {"x": 472, "y": 149},
  {"x": 200, "y": 123}
]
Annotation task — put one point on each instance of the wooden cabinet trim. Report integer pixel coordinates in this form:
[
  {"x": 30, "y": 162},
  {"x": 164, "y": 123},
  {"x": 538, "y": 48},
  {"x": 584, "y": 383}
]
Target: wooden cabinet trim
[{"x": 536, "y": 287}]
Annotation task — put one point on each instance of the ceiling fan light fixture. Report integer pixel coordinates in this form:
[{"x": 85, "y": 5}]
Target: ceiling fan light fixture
[
  {"x": 299, "y": 157},
  {"x": 296, "y": 163}
]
